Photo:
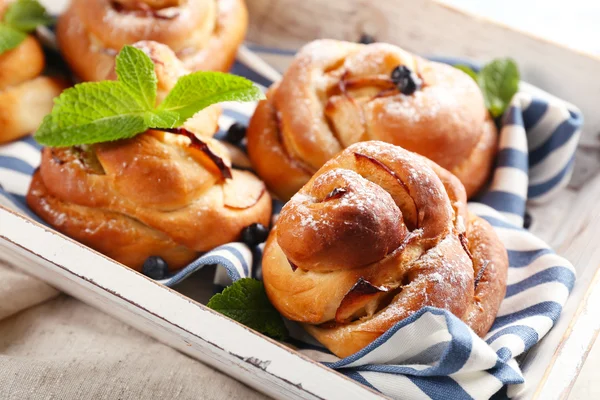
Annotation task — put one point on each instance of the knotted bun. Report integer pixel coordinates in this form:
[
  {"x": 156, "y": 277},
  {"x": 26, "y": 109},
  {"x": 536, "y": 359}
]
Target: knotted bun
[
  {"x": 157, "y": 194},
  {"x": 25, "y": 95},
  {"x": 375, "y": 235},
  {"x": 337, "y": 93},
  {"x": 205, "y": 34},
  {"x": 344, "y": 215}
]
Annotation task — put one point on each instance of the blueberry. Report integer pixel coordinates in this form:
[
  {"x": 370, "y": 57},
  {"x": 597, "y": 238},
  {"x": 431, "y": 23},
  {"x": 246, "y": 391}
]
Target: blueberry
[
  {"x": 254, "y": 234},
  {"x": 366, "y": 39},
  {"x": 527, "y": 220},
  {"x": 406, "y": 80},
  {"x": 235, "y": 133},
  {"x": 155, "y": 267}
]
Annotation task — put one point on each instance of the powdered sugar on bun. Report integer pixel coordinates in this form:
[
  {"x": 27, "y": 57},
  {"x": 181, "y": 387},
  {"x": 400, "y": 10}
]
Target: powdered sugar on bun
[
  {"x": 375, "y": 235},
  {"x": 337, "y": 93},
  {"x": 168, "y": 194}
]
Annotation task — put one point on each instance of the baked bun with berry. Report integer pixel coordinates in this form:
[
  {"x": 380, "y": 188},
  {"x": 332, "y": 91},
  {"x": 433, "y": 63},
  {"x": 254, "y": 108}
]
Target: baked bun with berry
[
  {"x": 204, "y": 34},
  {"x": 163, "y": 193},
  {"x": 375, "y": 235},
  {"x": 338, "y": 93},
  {"x": 25, "y": 95}
]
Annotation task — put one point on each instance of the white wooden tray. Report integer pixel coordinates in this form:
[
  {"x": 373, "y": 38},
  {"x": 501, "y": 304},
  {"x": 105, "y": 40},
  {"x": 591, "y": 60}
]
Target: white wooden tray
[{"x": 568, "y": 223}]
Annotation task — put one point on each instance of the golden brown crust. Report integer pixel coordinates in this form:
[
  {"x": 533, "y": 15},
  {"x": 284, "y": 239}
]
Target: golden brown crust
[
  {"x": 25, "y": 96},
  {"x": 336, "y": 93},
  {"x": 155, "y": 194},
  {"x": 116, "y": 235},
  {"x": 22, "y": 63},
  {"x": 269, "y": 157},
  {"x": 205, "y": 34},
  {"x": 490, "y": 255},
  {"x": 150, "y": 195},
  {"x": 375, "y": 235}
]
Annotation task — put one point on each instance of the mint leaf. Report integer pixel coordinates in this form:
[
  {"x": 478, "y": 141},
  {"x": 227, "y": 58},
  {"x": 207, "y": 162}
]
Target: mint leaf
[
  {"x": 468, "y": 70},
  {"x": 199, "y": 90},
  {"x": 93, "y": 112},
  {"x": 499, "y": 81},
  {"x": 246, "y": 302},
  {"x": 10, "y": 38},
  {"x": 162, "y": 119},
  {"x": 135, "y": 71},
  {"x": 21, "y": 17},
  {"x": 26, "y": 15}
]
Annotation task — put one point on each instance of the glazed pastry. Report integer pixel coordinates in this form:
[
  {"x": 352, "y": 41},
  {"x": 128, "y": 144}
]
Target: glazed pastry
[
  {"x": 337, "y": 93},
  {"x": 25, "y": 96},
  {"x": 167, "y": 194},
  {"x": 205, "y": 34},
  {"x": 375, "y": 235}
]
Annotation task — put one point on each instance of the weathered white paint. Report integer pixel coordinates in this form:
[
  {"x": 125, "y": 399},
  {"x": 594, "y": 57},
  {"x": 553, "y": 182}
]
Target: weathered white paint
[
  {"x": 168, "y": 316},
  {"x": 570, "y": 224},
  {"x": 577, "y": 340}
]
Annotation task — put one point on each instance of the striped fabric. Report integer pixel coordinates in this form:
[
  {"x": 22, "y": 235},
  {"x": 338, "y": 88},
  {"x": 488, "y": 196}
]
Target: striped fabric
[
  {"x": 537, "y": 149},
  {"x": 432, "y": 354}
]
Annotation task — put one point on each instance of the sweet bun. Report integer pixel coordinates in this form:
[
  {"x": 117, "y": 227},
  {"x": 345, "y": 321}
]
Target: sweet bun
[
  {"x": 374, "y": 236},
  {"x": 25, "y": 96},
  {"x": 338, "y": 93},
  {"x": 204, "y": 34},
  {"x": 167, "y": 194}
]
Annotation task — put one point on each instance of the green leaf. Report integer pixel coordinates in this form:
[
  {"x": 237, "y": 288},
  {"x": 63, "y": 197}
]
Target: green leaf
[
  {"x": 10, "y": 38},
  {"x": 162, "y": 119},
  {"x": 26, "y": 15},
  {"x": 199, "y": 90},
  {"x": 21, "y": 17},
  {"x": 93, "y": 112},
  {"x": 468, "y": 70},
  {"x": 246, "y": 302},
  {"x": 135, "y": 71},
  {"x": 499, "y": 81}
]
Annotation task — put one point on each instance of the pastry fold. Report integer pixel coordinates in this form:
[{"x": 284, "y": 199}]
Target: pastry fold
[
  {"x": 338, "y": 93},
  {"x": 375, "y": 235},
  {"x": 158, "y": 194}
]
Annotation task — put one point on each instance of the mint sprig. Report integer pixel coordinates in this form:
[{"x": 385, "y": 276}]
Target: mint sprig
[
  {"x": 206, "y": 88},
  {"x": 246, "y": 302},
  {"x": 95, "y": 112},
  {"x": 467, "y": 70},
  {"x": 26, "y": 15},
  {"x": 10, "y": 38},
  {"x": 21, "y": 17},
  {"x": 135, "y": 72},
  {"x": 498, "y": 81}
]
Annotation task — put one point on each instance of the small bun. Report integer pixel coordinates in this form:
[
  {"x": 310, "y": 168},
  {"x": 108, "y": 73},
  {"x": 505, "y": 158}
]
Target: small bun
[
  {"x": 338, "y": 93},
  {"x": 204, "y": 34},
  {"x": 25, "y": 96},
  {"x": 156, "y": 194},
  {"x": 374, "y": 236}
]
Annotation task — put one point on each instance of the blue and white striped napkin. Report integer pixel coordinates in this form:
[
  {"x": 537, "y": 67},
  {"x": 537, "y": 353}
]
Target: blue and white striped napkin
[{"x": 432, "y": 354}]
